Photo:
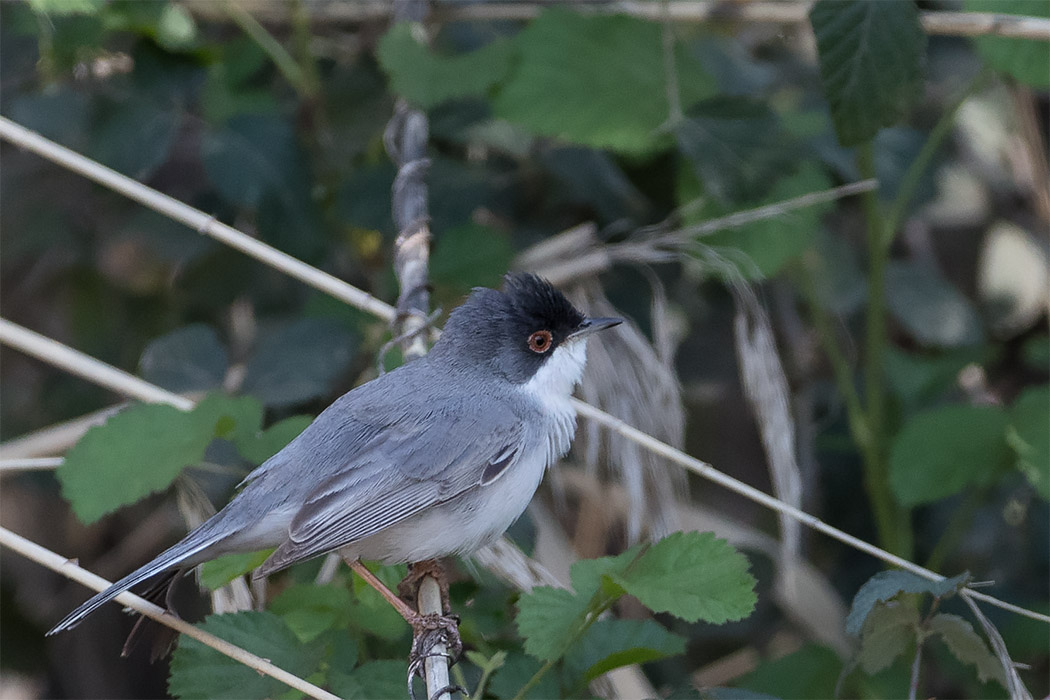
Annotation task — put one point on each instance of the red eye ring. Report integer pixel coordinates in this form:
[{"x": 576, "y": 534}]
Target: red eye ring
[{"x": 540, "y": 342}]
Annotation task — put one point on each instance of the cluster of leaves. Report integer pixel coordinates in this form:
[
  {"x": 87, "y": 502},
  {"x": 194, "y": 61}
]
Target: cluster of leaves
[{"x": 574, "y": 117}]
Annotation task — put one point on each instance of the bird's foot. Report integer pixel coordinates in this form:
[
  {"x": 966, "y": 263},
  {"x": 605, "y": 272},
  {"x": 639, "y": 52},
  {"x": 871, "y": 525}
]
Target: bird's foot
[{"x": 429, "y": 632}]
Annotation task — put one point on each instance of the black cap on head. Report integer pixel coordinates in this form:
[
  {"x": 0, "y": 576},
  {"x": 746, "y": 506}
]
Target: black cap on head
[{"x": 514, "y": 331}]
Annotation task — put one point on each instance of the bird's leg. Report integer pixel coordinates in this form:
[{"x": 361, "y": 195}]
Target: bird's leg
[{"x": 426, "y": 629}]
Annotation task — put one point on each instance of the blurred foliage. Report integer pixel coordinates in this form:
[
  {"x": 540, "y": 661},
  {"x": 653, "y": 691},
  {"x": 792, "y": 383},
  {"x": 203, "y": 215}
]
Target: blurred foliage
[{"x": 929, "y": 428}]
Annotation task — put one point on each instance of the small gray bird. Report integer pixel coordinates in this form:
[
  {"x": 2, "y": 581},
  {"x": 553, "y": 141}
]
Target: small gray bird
[{"x": 435, "y": 458}]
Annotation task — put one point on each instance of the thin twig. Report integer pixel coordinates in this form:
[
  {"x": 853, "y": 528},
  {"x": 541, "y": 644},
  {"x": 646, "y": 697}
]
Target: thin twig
[
  {"x": 70, "y": 569},
  {"x": 916, "y": 664},
  {"x": 194, "y": 218},
  {"x": 85, "y": 366},
  {"x": 682, "y": 11},
  {"x": 8, "y": 466}
]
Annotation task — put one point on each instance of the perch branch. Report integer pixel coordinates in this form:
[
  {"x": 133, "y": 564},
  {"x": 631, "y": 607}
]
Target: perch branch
[{"x": 70, "y": 569}]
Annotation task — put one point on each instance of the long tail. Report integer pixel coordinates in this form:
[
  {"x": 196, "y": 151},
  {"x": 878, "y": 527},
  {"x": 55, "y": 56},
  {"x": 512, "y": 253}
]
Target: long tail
[{"x": 192, "y": 544}]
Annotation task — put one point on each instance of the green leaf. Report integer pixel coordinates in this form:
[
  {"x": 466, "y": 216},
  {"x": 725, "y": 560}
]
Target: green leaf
[
  {"x": 142, "y": 449},
  {"x": 218, "y": 572},
  {"x": 940, "y": 452},
  {"x": 694, "y": 576},
  {"x": 376, "y": 680},
  {"x": 470, "y": 256},
  {"x": 311, "y": 609},
  {"x": 135, "y": 138},
  {"x": 298, "y": 362},
  {"x": 597, "y": 81},
  {"x": 885, "y": 585},
  {"x": 735, "y": 145},
  {"x": 611, "y": 643},
  {"x": 808, "y": 673},
  {"x": 888, "y": 630},
  {"x": 592, "y": 575},
  {"x": 260, "y": 447},
  {"x": 190, "y": 358},
  {"x": 371, "y": 612},
  {"x": 933, "y": 311},
  {"x": 967, "y": 646},
  {"x": 1023, "y": 59},
  {"x": 871, "y": 56},
  {"x": 427, "y": 79},
  {"x": 516, "y": 672},
  {"x": 547, "y": 620},
  {"x": 919, "y": 378},
  {"x": 762, "y": 248},
  {"x": 1029, "y": 436},
  {"x": 198, "y": 671}
]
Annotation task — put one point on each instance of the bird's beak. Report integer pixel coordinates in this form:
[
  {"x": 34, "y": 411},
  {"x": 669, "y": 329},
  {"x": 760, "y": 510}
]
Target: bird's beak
[{"x": 593, "y": 325}]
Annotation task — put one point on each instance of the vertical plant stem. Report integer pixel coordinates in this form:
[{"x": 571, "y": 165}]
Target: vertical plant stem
[
  {"x": 913, "y": 687},
  {"x": 892, "y": 522}
]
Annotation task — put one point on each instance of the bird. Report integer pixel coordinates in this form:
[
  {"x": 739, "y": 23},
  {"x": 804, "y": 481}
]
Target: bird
[{"x": 433, "y": 459}]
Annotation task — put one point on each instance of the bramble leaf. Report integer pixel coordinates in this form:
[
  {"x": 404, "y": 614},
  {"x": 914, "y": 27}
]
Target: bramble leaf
[
  {"x": 613, "y": 643},
  {"x": 190, "y": 358},
  {"x": 427, "y": 79},
  {"x": 547, "y": 620},
  {"x": 888, "y": 630},
  {"x": 311, "y": 609},
  {"x": 940, "y": 452},
  {"x": 198, "y": 671},
  {"x": 871, "y": 56},
  {"x": 694, "y": 576},
  {"x": 967, "y": 646},
  {"x": 375, "y": 679},
  {"x": 886, "y": 584},
  {"x": 595, "y": 81}
]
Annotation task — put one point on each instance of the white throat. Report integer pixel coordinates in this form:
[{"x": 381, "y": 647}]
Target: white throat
[{"x": 551, "y": 387}]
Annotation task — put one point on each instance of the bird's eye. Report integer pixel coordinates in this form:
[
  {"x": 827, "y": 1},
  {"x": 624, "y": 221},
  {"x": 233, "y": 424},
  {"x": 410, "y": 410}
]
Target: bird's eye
[{"x": 540, "y": 341}]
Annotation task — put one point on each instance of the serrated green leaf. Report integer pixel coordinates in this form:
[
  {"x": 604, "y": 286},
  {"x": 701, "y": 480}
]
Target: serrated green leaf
[
  {"x": 198, "y": 671},
  {"x": 298, "y": 362},
  {"x": 735, "y": 145},
  {"x": 596, "y": 81},
  {"x": 376, "y": 680},
  {"x": 260, "y": 447},
  {"x": 591, "y": 575},
  {"x": 888, "y": 630},
  {"x": 371, "y": 612},
  {"x": 1025, "y": 60},
  {"x": 884, "y": 585},
  {"x": 1029, "y": 436},
  {"x": 694, "y": 576},
  {"x": 142, "y": 449},
  {"x": 967, "y": 646},
  {"x": 940, "y": 452},
  {"x": 871, "y": 56},
  {"x": 762, "y": 248},
  {"x": 427, "y": 79},
  {"x": 547, "y": 620},
  {"x": 139, "y": 451},
  {"x": 930, "y": 308},
  {"x": 190, "y": 358},
  {"x": 612, "y": 643},
  {"x": 311, "y": 609}
]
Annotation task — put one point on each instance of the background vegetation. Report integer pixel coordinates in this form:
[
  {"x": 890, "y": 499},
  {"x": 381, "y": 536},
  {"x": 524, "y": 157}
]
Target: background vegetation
[{"x": 910, "y": 325}]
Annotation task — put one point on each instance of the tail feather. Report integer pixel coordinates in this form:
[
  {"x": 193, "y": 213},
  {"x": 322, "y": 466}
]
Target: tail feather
[{"x": 169, "y": 559}]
